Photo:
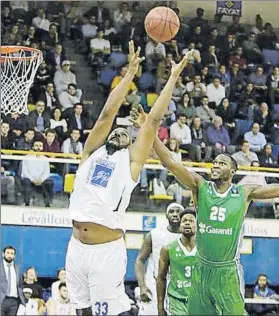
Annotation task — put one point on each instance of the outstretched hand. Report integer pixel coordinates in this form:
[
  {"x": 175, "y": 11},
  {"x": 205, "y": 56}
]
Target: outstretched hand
[
  {"x": 135, "y": 58},
  {"x": 137, "y": 116},
  {"x": 176, "y": 69}
]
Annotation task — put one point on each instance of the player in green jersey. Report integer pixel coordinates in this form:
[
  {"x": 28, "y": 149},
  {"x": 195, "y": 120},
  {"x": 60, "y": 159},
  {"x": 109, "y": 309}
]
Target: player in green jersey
[
  {"x": 217, "y": 282},
  {"x": 179, "y": 257}
]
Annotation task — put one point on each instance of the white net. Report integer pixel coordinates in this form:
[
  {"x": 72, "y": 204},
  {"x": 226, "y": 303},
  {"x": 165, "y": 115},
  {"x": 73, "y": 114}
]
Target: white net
[{"x": 18, "y": 68}]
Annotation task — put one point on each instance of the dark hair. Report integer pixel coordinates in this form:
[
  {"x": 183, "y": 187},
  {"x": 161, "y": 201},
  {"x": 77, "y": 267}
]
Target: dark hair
[
  {"x": 187, "y": 210},
  {"x": 62, "y": 284},
  {"x": 215, "y": 77},
  {"x": 29, "y": 130},
  {"x": 54, "y": 109},
  {"x": 9, "y": 247},
  {"x": 244, "y": 142},
  {"x": 261, "y": 275},
  {"x": 268, "y": 144},
  {"x": 59, "y": 270},
  {"x": 72, "y": 85},
  {"x": 52, "y": 131},
  {"x": 181, "y": 115},
  {"x": 76, "y": 104}
]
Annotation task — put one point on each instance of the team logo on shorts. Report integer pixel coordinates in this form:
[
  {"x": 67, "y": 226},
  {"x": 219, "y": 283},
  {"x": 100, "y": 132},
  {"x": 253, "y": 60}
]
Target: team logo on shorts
[{"x": 101, "y": 175}]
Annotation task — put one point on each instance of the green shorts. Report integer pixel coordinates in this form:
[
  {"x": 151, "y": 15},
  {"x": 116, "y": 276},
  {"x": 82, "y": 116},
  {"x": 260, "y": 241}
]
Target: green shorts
[
  {"x": 217, "y": 289},
  {"x": 177, "y": 306}
]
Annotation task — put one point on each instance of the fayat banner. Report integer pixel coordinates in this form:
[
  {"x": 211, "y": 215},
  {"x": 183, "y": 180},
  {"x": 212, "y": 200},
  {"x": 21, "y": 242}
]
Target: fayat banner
[
  {"x": 134, "y": 221},
  {"x": 229, "y": 8}
]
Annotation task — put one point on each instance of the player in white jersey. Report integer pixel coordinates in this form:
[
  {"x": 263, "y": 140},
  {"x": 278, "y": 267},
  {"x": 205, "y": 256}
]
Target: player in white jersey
[
  {"x": 108, "y": 172},
  {"x": 150, "y": 251},
  {"x": 60, "y": 305}
]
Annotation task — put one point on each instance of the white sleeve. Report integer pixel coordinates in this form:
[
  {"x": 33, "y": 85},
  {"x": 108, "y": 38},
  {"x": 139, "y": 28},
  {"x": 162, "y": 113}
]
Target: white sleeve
[{"x": 21, "y": 310}]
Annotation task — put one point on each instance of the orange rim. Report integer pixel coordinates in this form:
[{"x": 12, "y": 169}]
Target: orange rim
[{"x": 14, "y": 49}]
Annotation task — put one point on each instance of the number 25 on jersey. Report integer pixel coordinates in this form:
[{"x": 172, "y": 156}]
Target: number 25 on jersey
[{"x": 218, "y": 213}]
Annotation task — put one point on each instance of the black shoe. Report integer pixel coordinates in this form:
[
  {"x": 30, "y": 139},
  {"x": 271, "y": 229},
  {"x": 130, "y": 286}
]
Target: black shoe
[
  {"x": 27, "y": 203},
  {"x": 47, "y": 205}
]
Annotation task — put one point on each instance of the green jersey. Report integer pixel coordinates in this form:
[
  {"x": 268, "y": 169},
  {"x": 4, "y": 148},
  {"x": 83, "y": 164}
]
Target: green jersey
[
  {"x": 182, "y": 263},
  {"x": 220, "y": 222}
]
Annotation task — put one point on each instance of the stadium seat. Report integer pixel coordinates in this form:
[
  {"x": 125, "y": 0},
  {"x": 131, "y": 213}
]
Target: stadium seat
[
  {"x": 271, "y": 56},
  {"x": 106, "y": 77},
  {"x": 146, "y": 82},
  {"x": 57, "y": 182},
  {"x": 69, "y": 183},
  {"x": 117, "y": 59},
  {"x": 275, "y": 151},
  {"x": 244, "y": 126},
  {"x": 151, "y": 99},
  {"x": 276, "y": 109}
]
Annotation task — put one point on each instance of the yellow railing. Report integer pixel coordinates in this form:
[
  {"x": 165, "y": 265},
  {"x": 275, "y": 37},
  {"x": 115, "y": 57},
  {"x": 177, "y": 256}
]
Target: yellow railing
[{"x": 148, "y": 161}]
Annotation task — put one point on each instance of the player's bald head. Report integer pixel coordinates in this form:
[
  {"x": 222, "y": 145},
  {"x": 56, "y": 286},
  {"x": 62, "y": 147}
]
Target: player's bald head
[{"x": 229, "y": 159}]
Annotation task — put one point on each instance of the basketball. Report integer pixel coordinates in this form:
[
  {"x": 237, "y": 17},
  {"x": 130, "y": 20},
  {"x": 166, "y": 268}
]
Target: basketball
[{"x": 161, "y": 24}]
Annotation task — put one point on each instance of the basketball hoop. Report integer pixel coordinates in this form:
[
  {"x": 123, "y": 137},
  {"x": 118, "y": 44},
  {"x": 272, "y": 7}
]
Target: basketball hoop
[{"x": 19, "y": 65}]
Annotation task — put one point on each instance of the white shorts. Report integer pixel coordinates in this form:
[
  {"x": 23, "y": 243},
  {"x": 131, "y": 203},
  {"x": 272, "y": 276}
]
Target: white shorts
[
  {"x": 95, "y": 276},
  {"x": 150, "y": 308}
]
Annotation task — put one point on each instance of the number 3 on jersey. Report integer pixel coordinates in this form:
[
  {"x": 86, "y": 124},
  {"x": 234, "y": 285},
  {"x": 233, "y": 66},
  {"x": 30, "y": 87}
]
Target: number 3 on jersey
[
  {"x": 188, "y": 271},
  {"x": 218, "y": 213}
]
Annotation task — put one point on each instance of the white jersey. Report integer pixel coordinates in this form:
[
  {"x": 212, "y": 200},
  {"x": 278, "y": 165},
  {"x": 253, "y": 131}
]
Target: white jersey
[
  {"x": 62, "y": 308},
  {"x": 160, "y": 237},
  {"x": 103, "y": 188}
]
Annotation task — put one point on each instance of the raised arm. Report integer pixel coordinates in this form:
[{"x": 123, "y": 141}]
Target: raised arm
[
  {"x": 164, "y": 264},
  {"x": 255, "y": 192},
  {"x": 141, "y": 148},
  {"x": 184, "y": 176},
  {"x": 101, "y": 129},
  {"x": 142, "y": 257}
]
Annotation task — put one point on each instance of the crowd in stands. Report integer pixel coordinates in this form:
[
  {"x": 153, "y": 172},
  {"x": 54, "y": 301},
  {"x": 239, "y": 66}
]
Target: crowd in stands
[{"x": 226, "y": 100}]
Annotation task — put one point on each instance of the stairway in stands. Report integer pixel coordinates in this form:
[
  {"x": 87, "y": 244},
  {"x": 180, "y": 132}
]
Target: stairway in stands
[{"x": 92, "y": 92}]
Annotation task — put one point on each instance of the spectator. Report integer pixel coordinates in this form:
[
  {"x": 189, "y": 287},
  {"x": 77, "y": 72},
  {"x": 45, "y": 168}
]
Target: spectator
[
  {"x": 89, "y": 28},
  {"x": 100, "y": 13},
  {"x": 41, "y": 23},
  {"x": 196, "y": 89},
  {"x": 266, "y": 158},
  {"x": 252, "y": 50},
  {"x": 31, "y": 282},
  {"x": 215, "y": 91},
  {"x": 259, "y": 80},
  {"x": 228, "y": 47},
  {"x": 204, "y": 112},
  {"x": 210, "y": 59},
  {"x": 178, "y": 90},
  {"x": 262, "y": 290},
  {"x": 238, "y": 59},
  {"x": 31, "y": 306},
  {"x": 219, "y": 25},
  {"x": 274, "y": 135},
  {"x": 100, "y": 51},
  {"x": 214, "y": 39},
  {"x": 122, "y": 16},
  {"x": 198, "y": 38},
  {"x": 56, "y": 15},
  {"x": 58, "y": 124},
  {"x": 218, "y": 137},
  {"x": 273, "y": 86},
  {"x": 56, "y": 58},
  {"x": 109, "y": 32},
  {"x": 12, "y": 37},
  {"x": 258, "y": 28},
  {"x": 7, "y": 186},
  {"x": 137, "y": 13},
  {"x": 39, "y": 119},
  {"x": 51, "y": 38},
  {"x": 61, "y": 275},
  {"x": 237, "y": 81},
  {"x": 264, "y": 118},
  {"x": 205, "y": 77},
  {"x": 35, "y": 174},
  {"x": 42, "y": 77},
  {"x": 255, "y": 138},
  {"x": 63, "y": 77},
  {"x": 11, "y": 283},
  {"x": 268, "y": 38},
  {"x": 51, "y": 145},
  {"x": 163, "y": 133},
  {"x": 132, "y": 31},
  {"x": 26, "y": 142},
  {"x": 72, "y": 145},
  {"x": 60, "y": 305},
  {"x": 224, "y": 75},
  {"x": 248, "y": 94},
  {"x": 226, "y": 112},
  {"x": 6, "y": 18},
  {"x": 186, "y": 107},
  {"x": 132, "y": 98},
  {"x": 199, "y": 142},
  {"x": 70, "y": 97},
  {"x": 236, "y": 27},
  {"x": 30, "y": 37},
  {"x": 170, "y": 114},
  {"x": 199, "y": 20},
  {"x": 180, "y": 131},
  {"x": 154, "y": 53},
  {"x": 49, "y": 97},
  {"x": 18, "y": 124},
  {"x": 7, "y": 141},
  {"x": 244, "y": 157},
  {"x": 163, "y": 72}
]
